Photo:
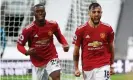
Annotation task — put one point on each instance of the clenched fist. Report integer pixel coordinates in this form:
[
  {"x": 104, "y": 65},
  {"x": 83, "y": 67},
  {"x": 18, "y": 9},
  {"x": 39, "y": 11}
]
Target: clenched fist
[
  {"x": 77, "y": 73},
  {"x": 30, "y": 51},
  {"x": 66, "y": 48}
]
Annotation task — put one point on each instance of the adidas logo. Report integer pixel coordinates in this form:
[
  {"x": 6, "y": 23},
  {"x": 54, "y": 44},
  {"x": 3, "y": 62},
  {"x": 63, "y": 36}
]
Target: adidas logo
[
  {"x": 87, "y": 36},
  {"x": 36, "y": 35}
]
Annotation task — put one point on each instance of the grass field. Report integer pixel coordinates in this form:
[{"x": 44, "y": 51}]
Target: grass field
[{"x": 128, "y": 76}]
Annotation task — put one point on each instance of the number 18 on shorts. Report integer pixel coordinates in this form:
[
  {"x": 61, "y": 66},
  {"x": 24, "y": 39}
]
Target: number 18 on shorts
[{"x": 101, "y": 73}]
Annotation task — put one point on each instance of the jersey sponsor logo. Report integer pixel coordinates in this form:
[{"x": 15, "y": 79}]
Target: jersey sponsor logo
[
  {"x": 43, "y": 41},
  {"x": 102, "y": 35},
  {"x": 96, "y": 48},
  {"x": 87, "y": 36},
  {"x": 95, "y": 44},
  {"x": 36, "y": 35}
]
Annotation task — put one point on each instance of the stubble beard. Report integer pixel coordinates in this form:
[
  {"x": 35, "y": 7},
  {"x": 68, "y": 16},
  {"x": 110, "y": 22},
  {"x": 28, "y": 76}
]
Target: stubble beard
[{"x": 95, "y": 23}]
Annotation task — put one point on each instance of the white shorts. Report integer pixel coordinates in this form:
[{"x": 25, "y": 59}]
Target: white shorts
[
  {"x": 44, "y": 72},
  {"x": 101, "y": 73}
]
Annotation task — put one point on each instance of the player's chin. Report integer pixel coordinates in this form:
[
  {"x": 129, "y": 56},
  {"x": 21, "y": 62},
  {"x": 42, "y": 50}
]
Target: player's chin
[
  {"x": 96, "y": 22},
  {"x": 41, "y": 20}
]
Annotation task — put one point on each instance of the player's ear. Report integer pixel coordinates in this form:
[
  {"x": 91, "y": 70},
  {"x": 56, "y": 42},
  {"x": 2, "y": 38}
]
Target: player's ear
[{"x": 89, "y": 12}]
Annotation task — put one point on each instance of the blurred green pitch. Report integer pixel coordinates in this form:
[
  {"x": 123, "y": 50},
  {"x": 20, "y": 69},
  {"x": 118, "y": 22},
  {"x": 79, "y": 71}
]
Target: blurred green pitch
[{"x": 128, "y": 76}]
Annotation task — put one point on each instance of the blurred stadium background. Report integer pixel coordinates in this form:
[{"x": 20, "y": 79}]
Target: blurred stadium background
[{"x": 16, "y": 14}]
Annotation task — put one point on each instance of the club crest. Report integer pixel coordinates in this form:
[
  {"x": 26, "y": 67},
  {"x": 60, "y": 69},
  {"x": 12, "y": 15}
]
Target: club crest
[
  {"x": 102, "y": 35},
  {"x": 50, "y": 33}
]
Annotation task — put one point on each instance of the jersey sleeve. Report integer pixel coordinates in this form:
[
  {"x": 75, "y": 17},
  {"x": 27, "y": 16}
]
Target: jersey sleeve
[
  {"x": 110, "y": 35},
  {"x": 23, "y": 37},
  {"x": 59, "y": 36},
  {"x": 77, "y": 39}
]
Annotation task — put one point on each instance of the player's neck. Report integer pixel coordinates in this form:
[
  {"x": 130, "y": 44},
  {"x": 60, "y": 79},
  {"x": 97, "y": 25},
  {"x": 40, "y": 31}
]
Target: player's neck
[
  {"x": 92, "y": 24},
  {"x": 40, "y": 24}
]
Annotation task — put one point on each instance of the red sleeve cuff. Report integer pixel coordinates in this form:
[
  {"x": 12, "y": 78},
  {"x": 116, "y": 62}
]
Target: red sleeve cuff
[{"x": 21, "y": 48}]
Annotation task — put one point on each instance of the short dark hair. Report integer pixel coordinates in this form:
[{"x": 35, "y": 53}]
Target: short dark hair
[
  {"x": 94, "y": 5},
  {"x": 38, "y": 5}
]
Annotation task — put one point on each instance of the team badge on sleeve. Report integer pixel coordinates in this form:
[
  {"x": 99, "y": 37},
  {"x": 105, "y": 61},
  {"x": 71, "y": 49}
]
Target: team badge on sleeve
[
  {"x": 75, "y": 37},
  {"x": 21, "y": 37}
]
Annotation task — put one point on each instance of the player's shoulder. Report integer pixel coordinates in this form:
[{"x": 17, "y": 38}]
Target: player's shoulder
[
  {"x": 106, "y": 24},
  {"x": 81, "y": 27},
  {"x": 51, "y": 22},
  {"x": 28, "y": 27}
]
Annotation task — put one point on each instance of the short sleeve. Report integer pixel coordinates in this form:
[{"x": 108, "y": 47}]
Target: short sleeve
[
  {"x": 110, "y": 35},
  {"x": 23, "y": 37},
  {"x": 77, "y": 39}
]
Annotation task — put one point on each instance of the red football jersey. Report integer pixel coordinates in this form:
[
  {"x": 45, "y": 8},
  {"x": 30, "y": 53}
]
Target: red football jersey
[
  {"x": 94, "y": 45},
  {"x": 41, "y": 39}
]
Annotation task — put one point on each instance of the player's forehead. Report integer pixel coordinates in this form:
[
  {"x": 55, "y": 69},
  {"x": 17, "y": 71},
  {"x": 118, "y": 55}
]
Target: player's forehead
[
  {"x": 39, "y": 8},
  {"x": 98, "y": 8}
]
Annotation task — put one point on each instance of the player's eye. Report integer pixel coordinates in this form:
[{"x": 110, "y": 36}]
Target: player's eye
[{"x": 96, "y": 12}]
